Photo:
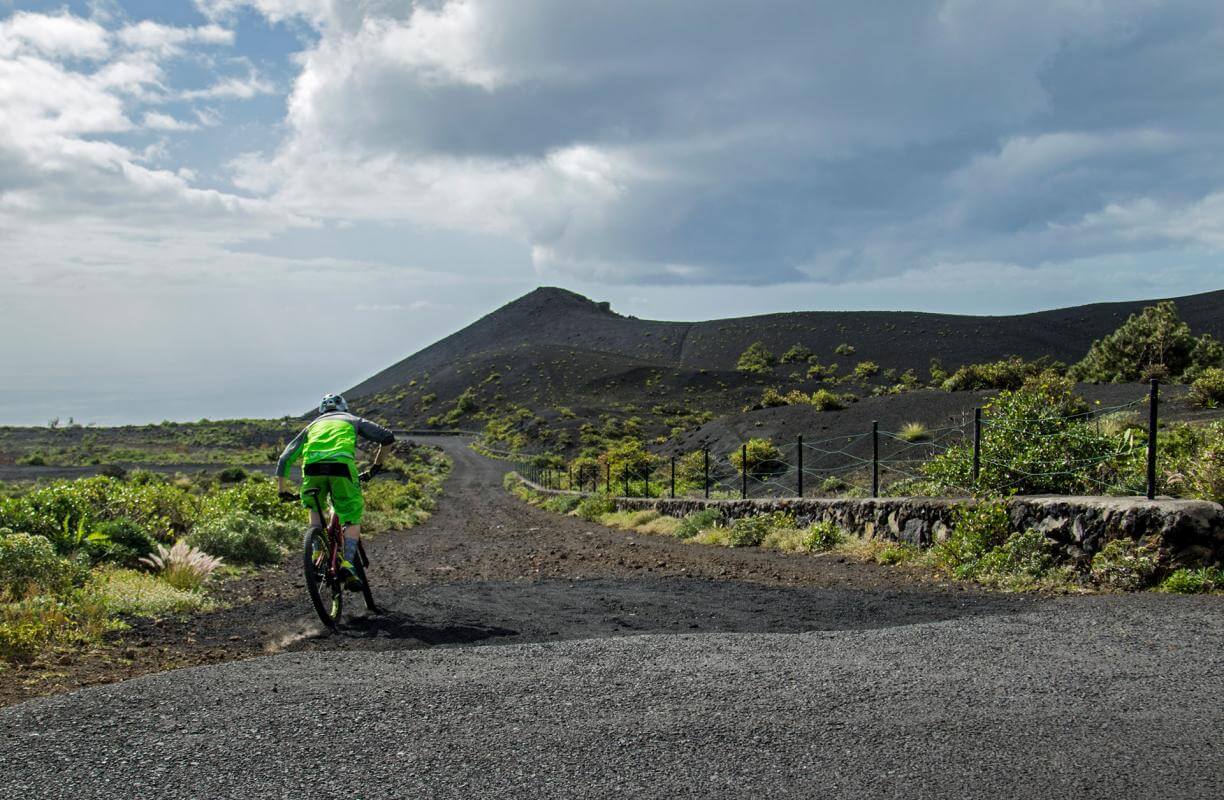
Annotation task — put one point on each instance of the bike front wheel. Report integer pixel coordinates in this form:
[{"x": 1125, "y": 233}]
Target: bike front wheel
[{"x": 326, "y": 592}]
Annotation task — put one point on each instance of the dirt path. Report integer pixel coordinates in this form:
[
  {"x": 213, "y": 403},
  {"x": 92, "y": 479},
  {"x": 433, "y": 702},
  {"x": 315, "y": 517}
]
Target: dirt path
[{"x": 487, "y": 568}]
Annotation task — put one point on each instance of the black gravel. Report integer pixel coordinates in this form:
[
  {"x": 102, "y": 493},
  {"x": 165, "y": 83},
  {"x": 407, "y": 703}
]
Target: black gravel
[{"x": 1103, "y": 697}]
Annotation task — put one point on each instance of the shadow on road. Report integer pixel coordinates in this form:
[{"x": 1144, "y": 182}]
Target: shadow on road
[{"x": 393, "y": 625}]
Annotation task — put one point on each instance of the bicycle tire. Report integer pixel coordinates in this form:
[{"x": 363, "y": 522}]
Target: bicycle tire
[
  {"x": 329, "y": 609},
  {"x": 359, "y": 569}
]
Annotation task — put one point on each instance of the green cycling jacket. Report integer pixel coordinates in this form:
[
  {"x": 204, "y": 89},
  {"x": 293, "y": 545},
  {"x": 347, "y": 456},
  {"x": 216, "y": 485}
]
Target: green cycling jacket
[{"x": 331, "y": 437}]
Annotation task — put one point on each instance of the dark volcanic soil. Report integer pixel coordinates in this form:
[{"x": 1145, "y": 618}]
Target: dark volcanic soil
[{"x": 490, "y": 569}]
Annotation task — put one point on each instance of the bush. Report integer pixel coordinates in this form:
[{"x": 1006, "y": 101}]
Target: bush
[
  {"x": 1207, "y": 391},
  {"x": 1124, "y": 564},
  {"x": 232, "y": 475},
  {"x": 561, "y": 504},
  {"x": 976, "y": 530},
  {"x": 797, "y": 353},
  {"x": 825, "y": 400},
  {"x": 751, "y": 531},
  {"x": 833, "y": 484},
  {"x": 696, "y": 522},
  {"x": 756, "y": 360},
  {"x": 915, "y": 432},
  {"x": 764, "y": 458},
  {"x": 29, "y": 565},
  {"x": 748, "y": 531},
  {"x": 820, "y": 372},
  {"x": 243, "y": 538},
  {"x": 594, "y": 507},
  {"x": 258, "y": 498},
  {"x": 844, "y": 349},
  {"x": 1194, "y": 581},
  {"x": 821, "y": 536},
  {"x": 1035, "y": 440},
  {"x": 1024, "y": 556},
  {"x": 1008, "y": 373},
  {"x": 182, "y": 566},
  {"x": 895, "y": 553},
  {"x": 139, "y": 594},
  {"x": 866, "y": 369},
  {"x": 121, "y": 541},
  {"x": 1192, "y": 459},
  {"x": 1154, "y": 343}
]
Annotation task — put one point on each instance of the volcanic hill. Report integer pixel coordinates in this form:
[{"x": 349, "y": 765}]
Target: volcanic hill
[{"x": 563, "y": 355}]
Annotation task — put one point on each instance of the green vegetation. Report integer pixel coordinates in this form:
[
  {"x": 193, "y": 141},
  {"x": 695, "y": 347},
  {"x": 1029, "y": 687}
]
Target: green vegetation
[
  {"x": 67, "y": 548},
  {"x": 756, "y": 360},
  {"x": 1036, "y": 440},
  {"x": 1194, "y": 581},
  {"x": 1008, "y": 373},
  {"x": 844, "y": 349},
  {"x": 864, "y": 370},
  {"x": 1154, "y": 343},
  {"x": 1207, "y": 390},
  {"x": 763, "y": 458},
  {"x": 1124, "y": 564},
  {"x": 821, "y": 399},
  {"x": 796, "y": 354},
  {"x": 915, "y": 432},
  {"x": 695, "y": 523}
]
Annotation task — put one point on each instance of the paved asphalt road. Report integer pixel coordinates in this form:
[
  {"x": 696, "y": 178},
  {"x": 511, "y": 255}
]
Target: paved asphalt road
[{"x": 1111, "y": 697}]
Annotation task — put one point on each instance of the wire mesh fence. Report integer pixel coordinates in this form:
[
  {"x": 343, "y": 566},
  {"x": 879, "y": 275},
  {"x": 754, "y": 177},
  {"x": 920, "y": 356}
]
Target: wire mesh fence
[{"x": 1041, "y": 451}]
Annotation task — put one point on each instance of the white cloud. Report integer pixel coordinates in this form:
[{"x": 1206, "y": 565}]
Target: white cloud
[
  {"x": 58, "y": 36},
  {"x": 168, "y": 39},
  {"x": 232, "y": 88},
  {"x": 155, "y": 120}
]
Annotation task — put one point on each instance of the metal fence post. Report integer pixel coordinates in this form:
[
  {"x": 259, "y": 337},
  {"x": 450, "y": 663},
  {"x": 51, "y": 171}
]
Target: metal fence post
[
  {"x": 875, "y": 458},
  {"x": 744, "y": 471},
  {"x": 705, "y": 470},
  {"x": 799, "y": 451},
  {"x": 571, "y": 477},
  {"x": 626, "y": 480},
  {"x": 1153, "y": 403},
  {"x": 673, "y": 478},
  {"x": 977, "y": 445}
]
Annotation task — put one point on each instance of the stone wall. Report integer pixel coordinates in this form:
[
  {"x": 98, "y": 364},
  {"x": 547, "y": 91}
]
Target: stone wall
[{"x": 1189, "y": 532}]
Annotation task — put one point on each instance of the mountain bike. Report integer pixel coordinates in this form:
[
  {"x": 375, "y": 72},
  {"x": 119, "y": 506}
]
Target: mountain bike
[{"x": 322, "y": 550}]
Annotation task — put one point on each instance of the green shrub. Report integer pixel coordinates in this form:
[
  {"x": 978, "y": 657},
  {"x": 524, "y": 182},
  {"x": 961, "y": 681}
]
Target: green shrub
[
  {"x": 825, "y": 400},
  {"x": 29, "y": 565},
  {"x": 756, "y": 360},
  {"x": 1191, "y": 458},
  {"x": 821, "y": 536},
  {"x": 1023, "y": 558},
  {"x": 915, "y": 432},
  {"x": 1035, "y": 440},
  {"x": 833, "y": 484},
  {"x": 1194, "y": 581},
  {"x": 256, "y": 497},
  {"x": 844, "y": 349},
  {"x": 696, "y": 522},
  {"x": 1008, "y": 373},
  {"x": 748, "y": 531},
  {"x": 895, "y": 553},
  {"x": 593, "y": 507},
  {"x": 866, "y": 369},
  {"x": 30, "y": 625},
  {"x": 763, "y": 458},
  {"x": 1207, "y": 391},
  {"x": 243, "y": 538},
  {"x": 976, "y": 530},
  {"x": 182, "y": 566},
  {"x": 122, "y": 542},
  {"x": 751, "y": 531},
  {"x": 561, "y": 504},
  {"x": 510, "y": 480},
  {"x": 797, "y": 353},
  {"x": 1125, "y": 565},
  {"x": 1153, "y": 343},
  {"x": 820, "y": 372},
  {"x": 232, "y": 475},
  {"x": 139, "y": 594}
]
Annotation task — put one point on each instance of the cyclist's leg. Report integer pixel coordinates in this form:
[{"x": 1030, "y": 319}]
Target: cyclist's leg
[{"x": 349, "y": 505}]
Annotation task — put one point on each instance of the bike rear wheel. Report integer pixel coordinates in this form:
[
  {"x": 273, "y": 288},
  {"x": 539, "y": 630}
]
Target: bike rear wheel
[{"x": 326, "y": 592}]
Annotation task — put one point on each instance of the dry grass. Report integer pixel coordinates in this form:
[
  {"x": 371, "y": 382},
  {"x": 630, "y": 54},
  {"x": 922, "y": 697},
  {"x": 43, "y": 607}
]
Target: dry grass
[{"x": 139, "y": 594}]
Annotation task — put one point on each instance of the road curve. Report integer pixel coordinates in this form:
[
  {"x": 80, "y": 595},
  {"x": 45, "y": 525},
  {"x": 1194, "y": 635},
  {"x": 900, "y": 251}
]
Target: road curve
[{"x": 1111, "y": 697}]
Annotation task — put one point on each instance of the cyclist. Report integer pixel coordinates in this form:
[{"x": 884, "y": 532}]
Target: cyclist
[{"x": 328, "y": 448}]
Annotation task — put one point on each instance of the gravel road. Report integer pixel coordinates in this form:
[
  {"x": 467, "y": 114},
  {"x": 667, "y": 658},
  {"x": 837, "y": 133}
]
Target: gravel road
[{"x": 811, "y": 685}]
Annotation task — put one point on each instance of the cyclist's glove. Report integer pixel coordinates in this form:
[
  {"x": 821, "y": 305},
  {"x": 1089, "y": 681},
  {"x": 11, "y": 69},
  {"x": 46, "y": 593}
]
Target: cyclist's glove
[{"x": 288, "y": 497}]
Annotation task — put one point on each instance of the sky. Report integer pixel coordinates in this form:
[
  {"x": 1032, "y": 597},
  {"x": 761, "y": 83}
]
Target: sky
[{"x": 227, "y": 208}]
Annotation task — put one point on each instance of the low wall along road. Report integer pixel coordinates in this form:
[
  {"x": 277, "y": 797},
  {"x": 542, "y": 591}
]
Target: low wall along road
[{"x": 1189, "y": 531}]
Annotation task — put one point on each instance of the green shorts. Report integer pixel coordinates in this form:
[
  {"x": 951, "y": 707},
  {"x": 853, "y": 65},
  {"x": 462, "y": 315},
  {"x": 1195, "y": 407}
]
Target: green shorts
[{"x": 343, "y": 492}]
